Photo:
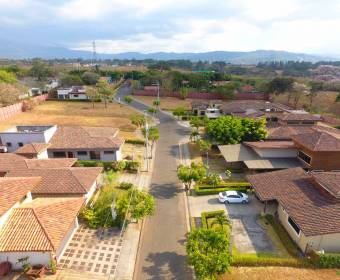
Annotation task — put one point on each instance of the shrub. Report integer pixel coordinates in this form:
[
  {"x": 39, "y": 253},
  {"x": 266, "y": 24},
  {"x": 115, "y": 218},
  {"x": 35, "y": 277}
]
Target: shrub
[
  {"x": 128, "y": 99},
  {"x": 206, "y": 215},
  {"x": 152, "y": 110},
  {"x": 132, "y": 166},
  {"x": 156, "y": 102},
  {"x": 125, "y": 185},
  {"x": 225, "y": 186},
  {"x": 283, "y": 235},
  {"x": 135, "y": 141},
  {"x": 328, "y": 261},
  {"x": 119, "y": 165}
]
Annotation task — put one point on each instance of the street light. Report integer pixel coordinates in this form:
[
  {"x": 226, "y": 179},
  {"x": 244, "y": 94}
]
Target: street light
[{"x": 146, "y": 141}]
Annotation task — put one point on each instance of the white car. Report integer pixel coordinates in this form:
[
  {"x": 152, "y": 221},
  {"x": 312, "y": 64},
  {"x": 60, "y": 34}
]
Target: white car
[{"x": 233, "y": 197}]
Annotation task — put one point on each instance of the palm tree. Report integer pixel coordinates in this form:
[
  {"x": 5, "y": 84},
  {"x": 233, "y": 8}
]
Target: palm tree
[{"x": 221, "y": 220}]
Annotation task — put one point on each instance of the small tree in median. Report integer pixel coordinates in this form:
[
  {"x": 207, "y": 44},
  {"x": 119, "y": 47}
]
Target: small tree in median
[
  {"x": 128, "y": 99},
  {"x": 208, "y": 252},
  {"x": 138, "y": 120},
  {"x": 191, "y": 174},
  {"x": 178, "y": 112},
  {"x": 205, "y": 147}
]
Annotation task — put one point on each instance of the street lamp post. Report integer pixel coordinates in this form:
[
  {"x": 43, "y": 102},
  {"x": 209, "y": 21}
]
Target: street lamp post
[{"x": 146, "y": 141}]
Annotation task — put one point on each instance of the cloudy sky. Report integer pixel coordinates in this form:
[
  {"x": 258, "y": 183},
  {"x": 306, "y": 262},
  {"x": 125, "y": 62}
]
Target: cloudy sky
[{"x": 309, "y": 26}]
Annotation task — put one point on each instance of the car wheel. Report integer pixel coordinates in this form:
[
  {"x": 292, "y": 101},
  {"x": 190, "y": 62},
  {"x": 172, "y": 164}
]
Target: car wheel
[
  {"x": 226, "y": 202},
  {"x": 244, "y": 202}
]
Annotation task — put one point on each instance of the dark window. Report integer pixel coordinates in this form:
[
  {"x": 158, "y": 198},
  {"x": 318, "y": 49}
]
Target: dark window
[
  {"x": 109, "y": 152},
  {"x": 304, "y": 157},
  {"x": 94, "y": 155},
  {"x": 202, "y": 113},
  {"x": 20, "y": 144},
  {"x": 308, "y": 122},
  {"x": 82, "y": 153},
  {"x": 75, "y": 95},
  {"x": 293, "y": 122},
  {"x": 9, "y": 144},
  {"x": 59, "y": 154},
  {"x": 294, "y": 225}
]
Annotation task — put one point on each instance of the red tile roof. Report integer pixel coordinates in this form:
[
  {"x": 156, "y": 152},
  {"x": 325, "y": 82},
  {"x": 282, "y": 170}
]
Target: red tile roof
[
  {"x": 329, "y": 180},
  {"x": 37, "y": 227},
  {"x": 81, "y": 137},
  {"x": 318, "y": 141},
  {"x": 32, "y": 149},
  {"x": 13, "y": 190},
  {"x": 73, "y": 180},
  {"x": 312, "y": 208}
]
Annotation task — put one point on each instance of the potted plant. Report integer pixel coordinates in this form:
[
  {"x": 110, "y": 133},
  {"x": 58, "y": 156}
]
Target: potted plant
[
  {"x": 26, "y": 266},
  {"x": 53, "y": 266}
]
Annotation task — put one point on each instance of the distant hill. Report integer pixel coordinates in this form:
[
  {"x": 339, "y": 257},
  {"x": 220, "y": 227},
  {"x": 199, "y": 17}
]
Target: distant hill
[{"x": 15, "y": 51}]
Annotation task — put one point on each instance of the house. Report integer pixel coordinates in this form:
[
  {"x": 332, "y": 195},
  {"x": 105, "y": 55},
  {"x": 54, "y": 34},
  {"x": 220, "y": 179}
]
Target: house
[
  {"x": 308, "y": 205},
  {"x": 62, "y": 182},
  {"x": 17, "y": 136},
  {"x": 74, "y": 93},
  {"x": 261, "y": 155},
  {"x": 293, "y": 118},
  {"x": 34, "y": 91},
  {"x": 211, "y": 108},
  {"x": 40, "y": 230},
  {"x": 34, "y": 150},
  {"x": 84, "y": 143},
  {"x": 319, "y": 150}
]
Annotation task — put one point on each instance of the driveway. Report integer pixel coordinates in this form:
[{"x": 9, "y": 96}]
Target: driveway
[
  {"x": 247, "y": 235},
  {"x": 162, "y": 245}
]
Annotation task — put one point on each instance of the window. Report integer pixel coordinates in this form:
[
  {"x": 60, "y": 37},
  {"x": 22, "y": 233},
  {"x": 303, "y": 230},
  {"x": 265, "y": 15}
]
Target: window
[
  {"x": 294, "y": 225},
  {"x": 75, "y": 95},
  {"x": 9, "y": 144},
  {"x": 304, "y": 157},
  {"x": 82, "y": 153},
  {"x": 307, "y": 122},
  {"x": 20, "y": 144},
  {"x": 293, "y": 122},
  {"x": 109, "y": 152},
  {"x": 59, "y": 154}
]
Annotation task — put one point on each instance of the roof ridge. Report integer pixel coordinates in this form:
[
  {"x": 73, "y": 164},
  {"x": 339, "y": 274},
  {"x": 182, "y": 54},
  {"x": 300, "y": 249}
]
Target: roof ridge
[
  {"x": 41, "y": 225},
  {"x": 71, "y": 170}
]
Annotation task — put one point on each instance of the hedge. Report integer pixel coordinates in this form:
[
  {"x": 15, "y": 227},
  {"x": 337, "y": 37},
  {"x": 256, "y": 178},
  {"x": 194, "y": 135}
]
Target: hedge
[
  {"x": 94, "y": 163},
  {"x": 229, "y": 186},
  {"x": 283, "y": 235},
  {"x": 328, "y": 260},
  {"x": 135, "y": 141},
  {"x": 207, "y": 215},
  {"x": 246, "y": 260}
]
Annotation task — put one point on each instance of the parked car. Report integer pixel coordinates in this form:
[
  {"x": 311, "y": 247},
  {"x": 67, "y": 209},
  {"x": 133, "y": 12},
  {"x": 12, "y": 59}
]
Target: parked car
[{"x": 233, "y": 197}]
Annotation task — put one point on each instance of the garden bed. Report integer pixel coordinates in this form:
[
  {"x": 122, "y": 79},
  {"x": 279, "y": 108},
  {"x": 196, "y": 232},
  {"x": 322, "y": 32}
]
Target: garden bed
[{"x": 203, "y": 189}]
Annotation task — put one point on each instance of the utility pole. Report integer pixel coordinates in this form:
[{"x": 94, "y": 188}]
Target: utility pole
[{"x": 146, "y": 141}]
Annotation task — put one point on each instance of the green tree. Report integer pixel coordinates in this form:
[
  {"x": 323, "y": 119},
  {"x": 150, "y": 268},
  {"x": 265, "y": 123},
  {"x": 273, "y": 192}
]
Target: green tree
[
  {"x": 194, "y": 135},
  {"x": 7, "y": 77},
  {"x": 314, "y": 86},
  {"x": 128, "y": 99},
  {"x": 141, "y": 204},
  {"x": 92, "y": 94},
  {"x": 233, "y": 130},
  {"x": 153, "y": 134},
  {"x": 280, "y": 85},
  {"x": 189, "y": 175},
  {"x": 208, "y": 252},
  {"x": 90, "y": 78},
  {"x": 152, "y": 110},
  {"x": 69, "y": 80},
  {"x": 337, "y": 99},
  {"x": 104, "y": 91},
  {"x": 204, "y": 147},
  {"x": 183, "y": 92},
  {"x": 138, "y": 120},
  {"x": 198, "y": 122},
  {"x": 156, "y": 102},
  {"x": 222, "y": 220},
  {"x": 214, "y": 179},
  {"x": 40, "y": 70}
]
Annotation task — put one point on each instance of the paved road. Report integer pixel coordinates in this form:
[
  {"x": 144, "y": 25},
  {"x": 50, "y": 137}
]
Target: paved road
[{"x": 162, "y": 251}]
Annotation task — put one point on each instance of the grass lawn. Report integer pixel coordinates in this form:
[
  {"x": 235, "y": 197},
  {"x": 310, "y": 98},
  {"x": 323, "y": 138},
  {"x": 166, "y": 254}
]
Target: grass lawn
[
  {"x": 167, "y": 103},
  {"x": 75, "y": 113},
  {"x": 280, "y": 273}
]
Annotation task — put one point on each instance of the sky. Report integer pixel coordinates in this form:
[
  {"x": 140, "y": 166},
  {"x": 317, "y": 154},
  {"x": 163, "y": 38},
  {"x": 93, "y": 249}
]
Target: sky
[{"x": 308, "y": 26}]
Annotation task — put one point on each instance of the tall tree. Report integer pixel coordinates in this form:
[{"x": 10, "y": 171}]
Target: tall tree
[
  {"x": 314, "y": 86},
  {"x": 40, "y": 70},
  {"x": 205, "y": 147},
  {"x": 280, "y": 85},
  {"x": 208, "y": 253},
  {"x": 191, "y": 174},
  {"x": 104, "y": 91},
  {"x": 92, "y": 94}
]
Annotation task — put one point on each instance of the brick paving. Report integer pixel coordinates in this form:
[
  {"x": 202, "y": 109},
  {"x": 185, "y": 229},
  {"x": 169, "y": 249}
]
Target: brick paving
[{"x": 92, "y": 251}]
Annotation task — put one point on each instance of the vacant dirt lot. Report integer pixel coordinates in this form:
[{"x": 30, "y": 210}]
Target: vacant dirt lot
[
  {"x": 167, "y": 103},
  {"x": 76, "y": 113},
  {"x": 280, "y": 273}
]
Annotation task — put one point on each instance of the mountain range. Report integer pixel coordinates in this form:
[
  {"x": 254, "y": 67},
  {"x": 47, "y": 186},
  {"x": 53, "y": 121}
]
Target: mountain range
[{"x": 16, "y": 51}]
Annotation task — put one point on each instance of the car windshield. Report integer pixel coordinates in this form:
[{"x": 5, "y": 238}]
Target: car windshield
[{"x": 240, "y": 194}]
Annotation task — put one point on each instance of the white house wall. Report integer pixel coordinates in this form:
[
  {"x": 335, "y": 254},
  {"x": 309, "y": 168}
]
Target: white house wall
[
  {"x": 35, "y": 258},
  {"x": 78, "y": 96},
  {"x": 91, "y": 191},
  {"x": 67, "y": 238},
  {"x": 276, "y": 153},
  {"x": 43, "y": 155}
]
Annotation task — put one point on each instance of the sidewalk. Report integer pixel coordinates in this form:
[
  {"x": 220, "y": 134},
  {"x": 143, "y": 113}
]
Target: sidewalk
[{"x": 127, "y": 259}]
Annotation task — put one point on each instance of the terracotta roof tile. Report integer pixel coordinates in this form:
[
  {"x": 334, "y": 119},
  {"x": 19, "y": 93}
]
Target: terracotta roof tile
[
  {"x": 330, "y": 180},
  {"x": 50, "y": 163},
  {"x": 78, "y": 137},
  {"x": 296, "y": 116},
  {"x": 311, "y": 206},
  {"x": 73, "y": 180},
  {"x": 318, "y": 141},
  {"x": 32, "y": 149},
  {"x": 12, "y": 190},
  {"x": 39, "y": 226}
]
